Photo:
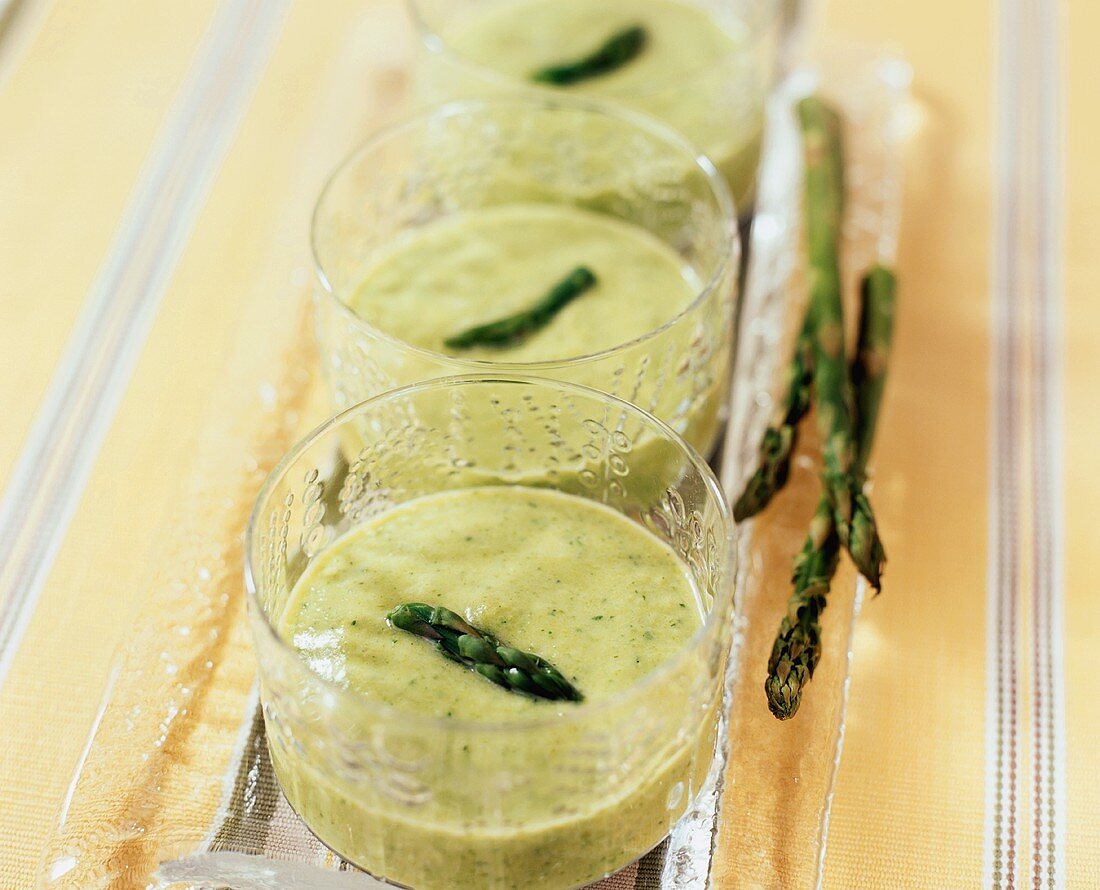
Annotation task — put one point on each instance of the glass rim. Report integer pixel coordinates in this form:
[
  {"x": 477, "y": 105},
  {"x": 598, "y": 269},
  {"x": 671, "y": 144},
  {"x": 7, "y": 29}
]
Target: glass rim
[
  {"x": 576, "y": 711},
  {"x": 725, "y": 263},
  {"x": 434, "y": 42}
]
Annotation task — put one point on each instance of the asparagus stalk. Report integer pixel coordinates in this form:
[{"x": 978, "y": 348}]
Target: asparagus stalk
[
  {"x": 779, "y": 438},
  {"x": 620, "y": 48},
  {"x": 878, "y": 295},
  {"x": 483, "y": 653},
  {"x": 797, "y": 647},
  {"x": 855, "y": 521},
  {"x": 511, "y": 329}
]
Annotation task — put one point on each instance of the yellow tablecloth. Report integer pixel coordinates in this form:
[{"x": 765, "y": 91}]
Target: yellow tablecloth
[{"x": 85, "y": 91}]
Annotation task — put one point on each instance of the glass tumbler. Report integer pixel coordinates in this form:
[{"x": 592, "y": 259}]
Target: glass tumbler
[
  {"x": 718, "y": 104},
  {"x": 552, "y": 800},
  {"x": 483, "y": 154}
]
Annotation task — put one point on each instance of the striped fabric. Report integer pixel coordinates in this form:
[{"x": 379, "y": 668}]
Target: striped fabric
[
  {"x": 61, "y": 447},
  {"x": 1026, "y": 772},
  {"x": 970, "y": 755}
]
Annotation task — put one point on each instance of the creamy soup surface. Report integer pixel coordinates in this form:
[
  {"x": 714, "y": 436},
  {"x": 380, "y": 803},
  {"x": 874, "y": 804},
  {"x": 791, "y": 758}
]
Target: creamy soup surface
[
  {"x": 560, "y": 576},
  {"x": 694, "y": 73},
  {"x": 480, "y": 266}
]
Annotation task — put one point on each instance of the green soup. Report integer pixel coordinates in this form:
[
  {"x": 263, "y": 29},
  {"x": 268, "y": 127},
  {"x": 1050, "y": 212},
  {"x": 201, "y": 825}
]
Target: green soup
[
  {"x": 694, "y": 74},
  {"x": 482, "y": 265},
  {"x": 566, "y": 578},
  {"x": 479, "y": 266}
]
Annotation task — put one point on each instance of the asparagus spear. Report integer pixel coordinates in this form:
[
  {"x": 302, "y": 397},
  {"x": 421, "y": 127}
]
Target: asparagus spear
[
  {"x": 779, "y": 438},
  {"x": 855, "y": 521},
  {"x": 878, "y": 295},
  {"x": 511, "y": 329},
  {"x": 483, "y": 653},
  {"x": 797, "y": 648},
  {"x": 616, "y": 51}
]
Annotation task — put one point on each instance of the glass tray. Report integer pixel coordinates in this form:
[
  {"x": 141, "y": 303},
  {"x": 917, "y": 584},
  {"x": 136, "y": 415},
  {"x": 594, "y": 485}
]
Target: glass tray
[
  {"x": 765, "y": 820},
  {"x": 181, "y": 694}
]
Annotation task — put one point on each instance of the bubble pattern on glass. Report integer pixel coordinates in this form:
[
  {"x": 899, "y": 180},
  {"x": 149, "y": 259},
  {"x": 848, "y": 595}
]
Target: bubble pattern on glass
[
  {"x": 527, "y": 152},
  {"x": 399, "y": 455},
  {"x": 389, "y": 468}
]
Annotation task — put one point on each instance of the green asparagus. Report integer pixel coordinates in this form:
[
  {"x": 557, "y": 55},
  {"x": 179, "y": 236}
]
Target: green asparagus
[
  {"x": 481, "y": 652},
  {"x": 512, "y": 329},
  {"x": 827, "y": 202},
  {"x": 855, "y": 521},
  {"x": 797, "y": 647},
  {"x": 878, "y": 296},
  {"x": 779, "y": 438},
  {"x": 620, "y": 48}
]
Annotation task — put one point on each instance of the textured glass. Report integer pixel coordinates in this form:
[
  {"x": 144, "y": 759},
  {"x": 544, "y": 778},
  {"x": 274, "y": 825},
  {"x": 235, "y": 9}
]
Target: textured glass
[
  {"x": 475, "y": 155},
  {"x": 544, "y": 802},
  {"x": 736, "y": 86},
  {"x": 778, "y": 785}
]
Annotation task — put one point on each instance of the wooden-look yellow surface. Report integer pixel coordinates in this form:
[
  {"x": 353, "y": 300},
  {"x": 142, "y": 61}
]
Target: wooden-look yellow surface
[
  {"x": 909, "y": 808},
  {"x": 1081, "y": 272},
  {"x": 79, "y": 110},
  {"x": 87, "y": 99}
]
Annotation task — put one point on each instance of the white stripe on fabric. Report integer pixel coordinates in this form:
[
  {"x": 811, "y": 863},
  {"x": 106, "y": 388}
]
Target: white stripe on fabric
[
  {"x": 1002, "y": 623},
  {"x": 1027, "y": 446},
  {"x": 20, "y": 22},
  {"x": 229, "y": 780},
  {"x": 1047, "y": 456},
  {"x": 51, "y": 473}
]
